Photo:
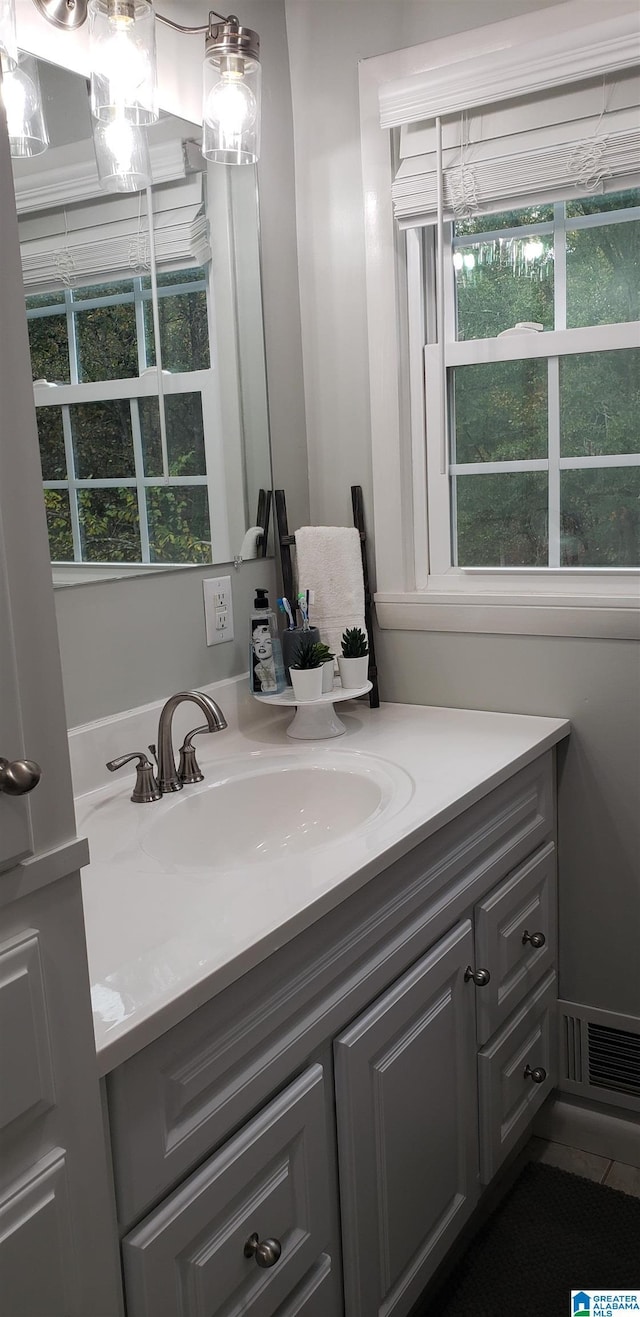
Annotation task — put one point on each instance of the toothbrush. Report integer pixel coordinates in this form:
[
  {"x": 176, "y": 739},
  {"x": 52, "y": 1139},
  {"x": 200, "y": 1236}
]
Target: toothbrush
[
  {"x": 285, "y": 607},
  {"x": 303, "y": 605},
  {"x": 305, "y": 600}
]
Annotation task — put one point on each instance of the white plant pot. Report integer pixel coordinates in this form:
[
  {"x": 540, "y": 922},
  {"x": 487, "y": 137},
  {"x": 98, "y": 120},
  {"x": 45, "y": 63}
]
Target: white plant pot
[
  {"x": 353, "y": 671},
  {"x": 327, "y": 676},
  {"x": 306, "y": 682}
]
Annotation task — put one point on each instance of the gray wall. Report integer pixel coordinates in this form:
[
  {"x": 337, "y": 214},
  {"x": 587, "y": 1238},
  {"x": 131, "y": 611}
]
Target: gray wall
[
  {"x": 593, "y": 682},
  {"x": 125, "y": 643}
]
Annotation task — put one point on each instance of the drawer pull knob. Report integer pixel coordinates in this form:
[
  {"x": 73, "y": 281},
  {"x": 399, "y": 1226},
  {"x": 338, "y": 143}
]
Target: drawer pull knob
[
  {"x": 480, "y": 976},
  {"x": 537, "y": 1075},
  {"x": 265, "y": 1251},
  {"x": 536, "y": 939}
]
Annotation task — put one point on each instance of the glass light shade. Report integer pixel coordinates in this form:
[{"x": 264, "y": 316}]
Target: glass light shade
[
  {"x": 122, "y": 156},
  {"x": 8, "y": 41},
  {"x": 123, "y": 61},
  {"x": 23, "y": 104},
  {"x": 231, "y": 96}
]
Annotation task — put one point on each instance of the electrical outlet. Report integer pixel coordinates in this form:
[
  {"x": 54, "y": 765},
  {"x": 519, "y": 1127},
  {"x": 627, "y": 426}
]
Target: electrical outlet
[{"x": 218, "y": 609}]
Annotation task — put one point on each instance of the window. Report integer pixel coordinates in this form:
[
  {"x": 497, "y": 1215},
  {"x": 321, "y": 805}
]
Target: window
[
  {"x": 506, "y": 468},
  {"x": 544, "y": 445},
  {"x": 100, "y": 424}
]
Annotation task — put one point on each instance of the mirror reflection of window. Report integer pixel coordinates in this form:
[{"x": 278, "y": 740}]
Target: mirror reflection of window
[
  {"x": 105, "y": 493},
  {"x": 141, "y": 470}
]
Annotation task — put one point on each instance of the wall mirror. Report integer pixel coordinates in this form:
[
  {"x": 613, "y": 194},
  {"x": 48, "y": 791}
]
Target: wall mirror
[{"x": 146, "y": 334}]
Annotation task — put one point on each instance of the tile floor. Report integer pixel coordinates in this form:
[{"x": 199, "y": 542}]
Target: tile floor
[{"x": 615, "y": 1174}]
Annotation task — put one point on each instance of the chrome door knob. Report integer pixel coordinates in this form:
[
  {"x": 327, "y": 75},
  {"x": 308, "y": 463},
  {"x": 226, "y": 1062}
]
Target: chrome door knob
[
  {"x": 537, "y": 1075},
  {"x": 18, "y": 776},
  {"x": 536, "y": 939},
  {"x": 265, "y": 1251},
  {"x": 480, "y": 976}
]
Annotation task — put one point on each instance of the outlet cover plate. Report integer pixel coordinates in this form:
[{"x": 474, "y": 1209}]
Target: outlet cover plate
[{"x": 218, "y": 609}]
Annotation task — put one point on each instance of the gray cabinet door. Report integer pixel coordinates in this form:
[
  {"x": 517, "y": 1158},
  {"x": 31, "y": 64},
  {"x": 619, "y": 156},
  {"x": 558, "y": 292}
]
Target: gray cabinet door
[
  {"x": 270, "y": 1182},
  {"x": 407, "y": 1129}
]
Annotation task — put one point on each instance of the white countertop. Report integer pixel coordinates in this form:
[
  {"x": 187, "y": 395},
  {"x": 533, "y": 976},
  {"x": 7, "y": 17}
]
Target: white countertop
[{"x": 162, "y": 939}]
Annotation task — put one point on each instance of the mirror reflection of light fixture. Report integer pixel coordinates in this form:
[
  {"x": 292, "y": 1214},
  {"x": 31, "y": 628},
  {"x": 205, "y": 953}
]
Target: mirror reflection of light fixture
[
  {"x": 122, "y": 155},
  {"x": 8, "y": 41},
  {"x": 122, "y": 43},
  {"x": 23, "y": 105}
]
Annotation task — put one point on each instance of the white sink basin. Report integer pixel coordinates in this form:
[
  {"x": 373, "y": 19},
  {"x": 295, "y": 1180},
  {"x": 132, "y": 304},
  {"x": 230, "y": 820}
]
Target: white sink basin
[{"x": 271, "y": 806}]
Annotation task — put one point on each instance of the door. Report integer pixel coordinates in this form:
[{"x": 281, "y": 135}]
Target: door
[
  {"x": 58, "y": 1250},
  {"x": 407, "y": 1130},
  {"x": 15, "y": 829}
]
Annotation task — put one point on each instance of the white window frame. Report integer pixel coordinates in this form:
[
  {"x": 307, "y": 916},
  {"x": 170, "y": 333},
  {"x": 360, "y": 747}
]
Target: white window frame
[{"x": 580, "y": 601}]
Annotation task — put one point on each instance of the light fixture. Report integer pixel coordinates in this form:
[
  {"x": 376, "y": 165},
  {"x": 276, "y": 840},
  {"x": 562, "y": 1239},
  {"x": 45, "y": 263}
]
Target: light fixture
[
  {"x": 23, "y": 105},
  {"x": 122, "y": 155},
  {"x": 122, "y": 53},
  {"x": 123, "y": 69},
  {"x": 231, "y": 94}
]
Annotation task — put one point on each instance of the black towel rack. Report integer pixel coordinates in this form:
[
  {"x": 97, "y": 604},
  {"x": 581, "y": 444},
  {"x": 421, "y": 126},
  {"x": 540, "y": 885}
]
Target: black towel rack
[{"x": 286, "y": 541}]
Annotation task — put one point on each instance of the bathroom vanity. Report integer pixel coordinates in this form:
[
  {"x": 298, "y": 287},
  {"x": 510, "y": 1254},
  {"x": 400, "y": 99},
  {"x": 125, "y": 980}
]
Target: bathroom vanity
[{"x": 313, "y": 1071}]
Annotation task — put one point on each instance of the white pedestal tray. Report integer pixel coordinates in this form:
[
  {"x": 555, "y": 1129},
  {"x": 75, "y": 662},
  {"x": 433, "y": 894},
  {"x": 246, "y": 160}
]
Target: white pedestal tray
[{"x": 316, "y": 720}]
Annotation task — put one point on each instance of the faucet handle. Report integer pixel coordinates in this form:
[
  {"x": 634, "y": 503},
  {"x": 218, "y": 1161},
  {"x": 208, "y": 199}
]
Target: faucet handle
[
  {"x": 146, "y": 788},
  {"x": 188, "y": 767}
]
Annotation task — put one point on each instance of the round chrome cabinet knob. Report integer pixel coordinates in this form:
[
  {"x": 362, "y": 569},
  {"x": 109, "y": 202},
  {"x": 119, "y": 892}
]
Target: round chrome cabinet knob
[
  {"x": 265, "y": 1251},
  {"x": 537, "y": 1075},
  {"x": 18, "y": 776},
  {"x": 536, "y": 939},
  {"x": 481, "y": 977}
]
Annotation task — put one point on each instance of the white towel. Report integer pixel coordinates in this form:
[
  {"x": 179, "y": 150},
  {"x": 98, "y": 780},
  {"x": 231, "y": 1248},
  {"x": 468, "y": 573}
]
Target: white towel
[{"x": 329, "y": 562}]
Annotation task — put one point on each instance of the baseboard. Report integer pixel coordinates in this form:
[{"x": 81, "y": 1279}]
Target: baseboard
[{"x": 607, "y": 1131}]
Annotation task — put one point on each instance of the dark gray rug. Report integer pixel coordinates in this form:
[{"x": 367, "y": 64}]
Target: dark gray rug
[{"x": 554, "y": 1232}]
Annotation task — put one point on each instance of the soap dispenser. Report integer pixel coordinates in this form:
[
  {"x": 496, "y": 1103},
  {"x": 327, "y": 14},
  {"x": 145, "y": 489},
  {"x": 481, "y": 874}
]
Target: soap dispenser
[{"x": 266, "y": 669}]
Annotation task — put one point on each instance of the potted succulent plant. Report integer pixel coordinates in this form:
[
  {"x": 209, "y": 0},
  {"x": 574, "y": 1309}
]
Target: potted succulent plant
[
  {"x": 327, "y": 667},
  {"x": 353, "y": 663},
  {"x": 306, "y": 670}
]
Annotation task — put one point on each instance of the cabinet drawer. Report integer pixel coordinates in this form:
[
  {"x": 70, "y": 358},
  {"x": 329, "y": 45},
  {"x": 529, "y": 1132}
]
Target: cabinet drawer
[
  {"x": 522, "y": 907},
  {"x": 509, "y": 1097},
  {"x": 270, "y": 1181}
]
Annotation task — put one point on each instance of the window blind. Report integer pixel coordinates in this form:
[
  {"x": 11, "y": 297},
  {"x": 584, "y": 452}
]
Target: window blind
[
  {"x": 109, "y": 238},
  {"x": 550, "y": 145}
]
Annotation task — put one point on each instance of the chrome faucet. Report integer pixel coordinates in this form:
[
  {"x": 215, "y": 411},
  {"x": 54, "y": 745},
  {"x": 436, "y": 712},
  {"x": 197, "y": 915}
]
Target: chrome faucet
[{"x": 168, "y": 779}]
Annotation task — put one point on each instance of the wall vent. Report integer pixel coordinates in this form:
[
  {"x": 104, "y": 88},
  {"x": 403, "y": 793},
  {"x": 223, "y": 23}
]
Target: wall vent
[
  {"x": 596, "y": 1054},
  {"x": 614, "y": 1059}
]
